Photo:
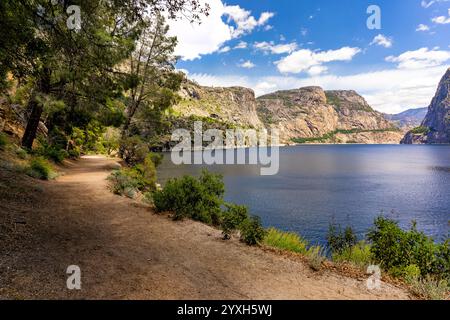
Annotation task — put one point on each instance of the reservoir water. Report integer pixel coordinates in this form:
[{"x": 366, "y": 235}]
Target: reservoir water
[{"x": 346, "y": 184}]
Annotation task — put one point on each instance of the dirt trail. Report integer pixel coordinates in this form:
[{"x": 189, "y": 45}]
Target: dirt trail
[{"x": 127, "y": 252}]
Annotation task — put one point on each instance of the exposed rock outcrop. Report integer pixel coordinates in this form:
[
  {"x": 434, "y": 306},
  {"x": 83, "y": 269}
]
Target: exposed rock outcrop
[
  {"x": 435, "y": 128},
  {"x": 313, "y": 115}
]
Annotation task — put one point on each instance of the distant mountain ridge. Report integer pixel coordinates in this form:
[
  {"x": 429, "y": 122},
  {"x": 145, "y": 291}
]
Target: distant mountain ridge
[
  {"x": 435, "y": 128},
  {"x": 305, "y": 115},
  {"x": 408, "y": 119}
]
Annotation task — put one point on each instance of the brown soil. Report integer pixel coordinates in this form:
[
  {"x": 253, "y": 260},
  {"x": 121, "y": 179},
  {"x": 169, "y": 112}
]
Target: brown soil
[{"x": 125, "y": 251}]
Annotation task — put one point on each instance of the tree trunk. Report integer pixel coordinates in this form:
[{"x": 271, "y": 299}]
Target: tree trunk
[{"x": 36, "y": 110}]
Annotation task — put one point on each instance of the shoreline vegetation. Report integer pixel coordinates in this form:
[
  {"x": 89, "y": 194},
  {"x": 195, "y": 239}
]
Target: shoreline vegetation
[{"x": 408, "y": 257}]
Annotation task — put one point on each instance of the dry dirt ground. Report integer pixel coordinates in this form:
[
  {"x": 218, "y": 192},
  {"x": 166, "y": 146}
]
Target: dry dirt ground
[{"x": 125, "y": 251}]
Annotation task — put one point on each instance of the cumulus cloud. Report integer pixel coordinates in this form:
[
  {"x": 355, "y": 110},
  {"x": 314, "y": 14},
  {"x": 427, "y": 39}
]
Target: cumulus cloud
[
  {"x": 426, "y": 4},
  {"x": 382, "y": 40},
  {"x": 244, "y": 21},
  {"x": 305, "y": 59},
  {"x": 247, "y": 65},
  {"x": 421, "y": 58},
  {"x": 271, "y": 47},
  {"x": 195, "y": 40},
  {"x": 224, "y": 49},
  {"x": 423, "y": 27},
  {"x": 442, "y": 19},
  {"x": 241, "y": 45}
]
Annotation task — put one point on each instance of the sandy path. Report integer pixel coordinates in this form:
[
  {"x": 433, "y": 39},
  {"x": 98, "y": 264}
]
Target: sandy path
[{"x": 126, "y": 252}]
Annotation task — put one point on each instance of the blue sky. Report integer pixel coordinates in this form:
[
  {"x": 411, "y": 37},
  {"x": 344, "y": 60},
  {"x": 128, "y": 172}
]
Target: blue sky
[{"x": 271, "y": 45}]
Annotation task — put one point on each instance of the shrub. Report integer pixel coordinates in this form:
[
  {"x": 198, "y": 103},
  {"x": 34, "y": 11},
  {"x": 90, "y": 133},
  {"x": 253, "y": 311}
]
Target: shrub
[
  {"x": 3, "y": 141},
  {"x": 40, "y": 168},
  {"x": 285, "y": 240},
  {"x": 316, "y": 256},
  {"x": 396, "y": 249},
  {"x": 133, "y": 150},
  {"x": 188, "y": 197},
  {"x": 52, "y": 152},
  {"x": 420, "y": 130},
  {"x": 22, "y": 153},
  {"x": 358, "y": 254},
  {"x": 232, "y": 218},
  {"x": 339, "y": 240},
  {"x": 123, "y": 182},
  {"x": 429, "y": 288},
  {"x": 145, "y": 174},
  {"x": 252, "y": 231}
]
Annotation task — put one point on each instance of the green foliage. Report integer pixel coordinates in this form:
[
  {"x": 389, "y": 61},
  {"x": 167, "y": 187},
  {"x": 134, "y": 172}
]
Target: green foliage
[
  {"x": 395, "y": 248},
  {"x": 40, "y": 168},
  {"x": 252, "y": 231},
  {"x": 232, "y": 218},
  {"x": 123, "y": 182},
  {"x": 285, "y": 241},
  {"x": 133, "y": 150},
  {"x": 420, "y": 130},
  {"x": 52, "y": 152},
  {"x": 111, "y": 140},
  {"x": 22, "y": 154},
  {"x": 430, "y": 288},
  {"x": 339, "y": 240},
  {"x": 316, "y": 257},
  {"x": 140, "y": 178},
  {"x": 188, "y": 197},
  {"x": 359, "y": 255},
  {"x": 3, "y": 141}
]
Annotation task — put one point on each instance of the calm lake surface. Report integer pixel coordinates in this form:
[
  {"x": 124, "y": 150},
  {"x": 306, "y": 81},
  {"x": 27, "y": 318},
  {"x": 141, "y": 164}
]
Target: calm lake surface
[{"x": 347, "y": 184}]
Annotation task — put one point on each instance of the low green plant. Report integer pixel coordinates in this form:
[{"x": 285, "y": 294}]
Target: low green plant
[
  {"x": 395, "y": 249},
  {"x": 22, "y": 154},
  {"x": 316, "y": 257},
  {"x": 232, "y": 218},
  {"x": 41, "y": 168},
  {"x": 359, "y": 255},
  {"x": 420, "y": 130},
  {"x": 187, "y": 197},
  {"x": 3, "y": 141},
  {"x": 338, "y": 240},
  {"x": 285, "y": 241},
  {"x": 430, "y": 288},
  {"x": 252, "y": 232},
  {"x": 122, "y": 182}
]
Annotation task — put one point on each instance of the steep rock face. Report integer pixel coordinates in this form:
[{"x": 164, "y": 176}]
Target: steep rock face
[
  {"x": 234, "y": 105},
  {"x": 435, "y": 128},
  {"x": 313, "y": 115}
]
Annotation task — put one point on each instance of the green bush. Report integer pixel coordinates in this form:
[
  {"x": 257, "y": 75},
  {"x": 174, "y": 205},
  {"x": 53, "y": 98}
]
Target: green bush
[
  {"x": 316, "y": 257},
  {"x": 133, "y": 150},
  {"x": 232, "y": 218},
  {"x": 128, "y": 181},
  {"x": 430, "y": 288},
  {"x": 394, "y": 249},
  {"x": 286, "y": 241},
  {"x": 339, "y": 240},
  {"x": 252, "y": 231},
  {"x": 188, "y": 197},
  {"x": 3, "y": 141},
  {"x": 22, "y": 154},
  {"x": 123, "y": 182},
  {"x": 420, "y": 130},
  {"x": 40, "y": 168},
  {"x": 358, "y": 254}
]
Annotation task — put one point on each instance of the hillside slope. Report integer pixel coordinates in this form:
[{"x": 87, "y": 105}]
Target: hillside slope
[{"x": 435, "y": 128}]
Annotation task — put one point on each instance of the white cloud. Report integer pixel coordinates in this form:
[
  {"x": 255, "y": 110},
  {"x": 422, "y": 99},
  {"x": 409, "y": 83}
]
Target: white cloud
[
  {"x": 421, "y": 58},
  {"x": 268, "y": 27},
  {"x": 271, "y": 47},
  {"x": 442, "y": 19},
  {"x": 428, "y": 4},
  {"x": 304, "y": 32},
  {"x": 244, "y": 21},
  {"x": 195, "y": 40},
  {"x": 224, "y": 49},
  {"x": 241, "y": 45},
  {"x": 423, "y": 27},
  {"x": 305, "y": 59},
  {"x": 247, "y": 65},
  {"x": 382, "y": 40}
]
